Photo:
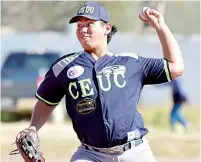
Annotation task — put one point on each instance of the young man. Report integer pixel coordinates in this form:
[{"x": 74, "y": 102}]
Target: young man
[
  {"x": 179, "y": 98},
  {"x": 102, "y": 88}
]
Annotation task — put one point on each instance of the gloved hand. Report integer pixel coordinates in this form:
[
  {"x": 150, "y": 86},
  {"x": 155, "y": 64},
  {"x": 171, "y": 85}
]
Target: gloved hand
[{"x": 28, "y": 145}]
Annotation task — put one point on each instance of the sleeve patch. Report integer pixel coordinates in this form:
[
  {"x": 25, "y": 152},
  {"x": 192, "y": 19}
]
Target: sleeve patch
[{"x": 59, "y": 66}]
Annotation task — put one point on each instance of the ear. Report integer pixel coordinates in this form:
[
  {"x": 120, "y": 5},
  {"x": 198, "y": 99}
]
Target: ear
[{"x": 108, "y": 28}]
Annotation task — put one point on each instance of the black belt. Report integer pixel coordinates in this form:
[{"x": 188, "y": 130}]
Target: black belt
[{"x": 119, "y": 149}]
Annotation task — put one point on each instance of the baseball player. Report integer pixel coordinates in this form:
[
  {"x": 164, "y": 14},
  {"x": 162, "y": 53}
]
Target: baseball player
[{"x": 102, "y": 88}]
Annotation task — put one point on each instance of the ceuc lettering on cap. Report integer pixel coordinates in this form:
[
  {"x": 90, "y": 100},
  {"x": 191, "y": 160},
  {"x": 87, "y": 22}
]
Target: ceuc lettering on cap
[{"x": 85, "y": 9}]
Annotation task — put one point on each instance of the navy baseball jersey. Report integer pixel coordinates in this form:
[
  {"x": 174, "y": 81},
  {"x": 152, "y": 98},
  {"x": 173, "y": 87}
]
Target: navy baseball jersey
[{"x": 102, "y": 96}]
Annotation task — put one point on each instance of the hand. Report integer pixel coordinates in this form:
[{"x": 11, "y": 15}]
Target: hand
[
  {"x": 154, "y": 18},
  {"x": 28, "y": 145}
]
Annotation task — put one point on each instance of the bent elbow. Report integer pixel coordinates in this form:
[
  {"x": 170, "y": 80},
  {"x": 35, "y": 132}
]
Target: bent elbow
[{"x": 179, "y": 71}]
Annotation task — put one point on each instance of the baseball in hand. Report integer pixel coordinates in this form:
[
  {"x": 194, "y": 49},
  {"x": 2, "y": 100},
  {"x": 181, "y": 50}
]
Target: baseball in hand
[{"x": 141, "y": 14}]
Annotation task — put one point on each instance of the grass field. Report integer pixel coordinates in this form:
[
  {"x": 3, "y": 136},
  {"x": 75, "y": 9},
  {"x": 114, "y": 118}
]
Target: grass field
[{"x": 58, "y": 141}]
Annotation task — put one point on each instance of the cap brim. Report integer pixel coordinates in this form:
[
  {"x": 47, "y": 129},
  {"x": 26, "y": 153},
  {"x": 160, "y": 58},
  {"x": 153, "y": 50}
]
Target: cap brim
[{"x": 75, "y": 18}]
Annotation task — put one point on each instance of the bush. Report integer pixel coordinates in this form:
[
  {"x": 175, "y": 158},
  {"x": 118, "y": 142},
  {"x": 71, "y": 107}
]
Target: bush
[
  {"x": 8, "y": 116},
  {"x": 12, "y": 116}
]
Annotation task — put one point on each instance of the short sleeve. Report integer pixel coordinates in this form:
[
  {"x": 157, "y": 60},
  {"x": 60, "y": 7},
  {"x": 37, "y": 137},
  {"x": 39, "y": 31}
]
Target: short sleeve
[
  {"x": 50, "y": 90},
  {"x": 155, "y": 71}
]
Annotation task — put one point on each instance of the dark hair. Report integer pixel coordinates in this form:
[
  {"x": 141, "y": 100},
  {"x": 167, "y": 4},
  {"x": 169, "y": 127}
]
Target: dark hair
[{"x": 113, "y": 31}]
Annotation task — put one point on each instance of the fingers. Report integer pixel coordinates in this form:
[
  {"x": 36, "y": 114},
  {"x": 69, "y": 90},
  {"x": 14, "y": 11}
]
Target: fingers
[
  {"x": 151, "y": 12},
  {"x": 155, "y": 13},
  {"x": 144, "y": 20}
]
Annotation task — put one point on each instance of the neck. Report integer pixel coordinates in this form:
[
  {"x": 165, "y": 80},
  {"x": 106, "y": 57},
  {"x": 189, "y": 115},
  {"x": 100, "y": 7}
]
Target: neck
[{"x": 97, "y": 52}]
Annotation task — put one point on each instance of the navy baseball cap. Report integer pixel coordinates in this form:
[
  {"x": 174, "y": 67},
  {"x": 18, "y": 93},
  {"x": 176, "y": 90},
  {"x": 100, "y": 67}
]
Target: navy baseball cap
[{"x": 93, "y": 11}]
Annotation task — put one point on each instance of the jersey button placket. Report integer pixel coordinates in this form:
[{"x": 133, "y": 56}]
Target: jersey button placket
[
  {"x": 101, "y": 96},
  {"x": 99, "y": 89},
  {"x": 101, "y": 99}
]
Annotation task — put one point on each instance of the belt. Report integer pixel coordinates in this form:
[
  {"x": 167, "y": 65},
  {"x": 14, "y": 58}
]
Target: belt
[{"x": 119, "y": 149}]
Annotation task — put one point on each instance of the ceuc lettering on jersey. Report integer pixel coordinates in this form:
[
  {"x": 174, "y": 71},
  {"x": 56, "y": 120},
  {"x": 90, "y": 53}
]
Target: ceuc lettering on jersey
[
  {"x": 85, "y": 10},
  {"x": 108, "y": 76}
]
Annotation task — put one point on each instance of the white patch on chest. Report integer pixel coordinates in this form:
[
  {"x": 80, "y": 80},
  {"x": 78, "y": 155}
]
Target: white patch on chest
[{"x": 75, "y": 71}]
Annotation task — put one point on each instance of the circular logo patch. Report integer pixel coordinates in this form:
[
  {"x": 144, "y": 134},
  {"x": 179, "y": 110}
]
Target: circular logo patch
[
  {"x": 86, "y": 106},
  {"x": 75, "y": 71}
]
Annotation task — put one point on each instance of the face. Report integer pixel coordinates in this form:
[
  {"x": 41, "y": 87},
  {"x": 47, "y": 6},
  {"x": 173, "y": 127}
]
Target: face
[{"x": 92, "y": 34}]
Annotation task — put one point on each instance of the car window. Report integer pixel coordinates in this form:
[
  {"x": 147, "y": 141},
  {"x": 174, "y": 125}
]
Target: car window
[
  {"x": 14, "y": 61},
  {"x": 32, "y": 61}
]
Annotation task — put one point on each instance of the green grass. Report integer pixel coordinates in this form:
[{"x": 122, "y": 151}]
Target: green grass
[{"x": 158, "y": 116}]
